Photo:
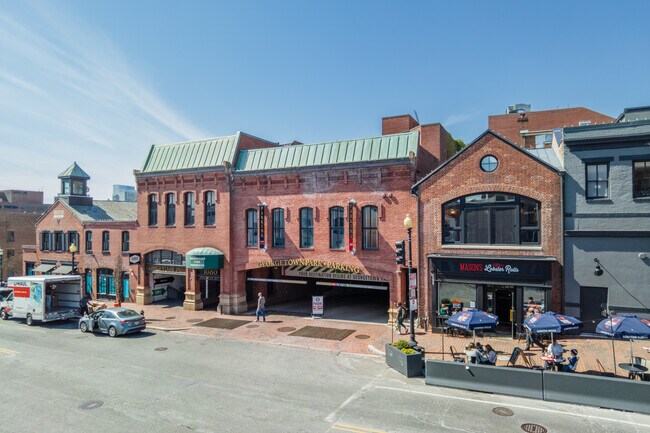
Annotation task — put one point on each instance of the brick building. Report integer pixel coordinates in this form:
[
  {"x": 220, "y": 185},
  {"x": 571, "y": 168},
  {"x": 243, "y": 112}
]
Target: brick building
[
  {"x": 288, "y": 221},
  {"x": 490, "y": 224},
  {"x": 534, "y": 129},
  {"x": 100, "y": 230},
  {"x": 19, "y": 211}
]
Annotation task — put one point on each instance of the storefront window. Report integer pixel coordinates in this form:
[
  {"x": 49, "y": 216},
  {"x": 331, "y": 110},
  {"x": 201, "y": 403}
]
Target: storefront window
[
  {"x": 454, "y": 297},
  {"x": 451, "y": 226},
  {"x": 534, "y": 300}
]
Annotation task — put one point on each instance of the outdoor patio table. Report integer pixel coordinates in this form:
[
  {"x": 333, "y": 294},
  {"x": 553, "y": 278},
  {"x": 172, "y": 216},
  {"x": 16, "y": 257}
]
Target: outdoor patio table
[
  {"x": 553, "y": 362},
  {"x": 633, "y": 368}
]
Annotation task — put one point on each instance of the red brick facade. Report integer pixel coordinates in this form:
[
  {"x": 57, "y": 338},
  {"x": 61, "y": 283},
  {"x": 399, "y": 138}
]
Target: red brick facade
[
  {"x": 510, "y": 126},
  {"x": 386, "y": 185},
  {"x": 85, "y": 260},
  {"x": 517, "y": 173}
]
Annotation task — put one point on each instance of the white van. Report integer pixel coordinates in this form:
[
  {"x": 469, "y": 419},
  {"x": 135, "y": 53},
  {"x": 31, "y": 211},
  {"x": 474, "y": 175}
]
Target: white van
[{"x": 45, "y": 298}]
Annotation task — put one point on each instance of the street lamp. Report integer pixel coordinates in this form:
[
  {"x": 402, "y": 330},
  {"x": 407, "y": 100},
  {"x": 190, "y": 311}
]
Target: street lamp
[
  {"x": 408, "y": 225},
  {"x": 73, "y": 250},
  {"x": 1, "y": 253}
]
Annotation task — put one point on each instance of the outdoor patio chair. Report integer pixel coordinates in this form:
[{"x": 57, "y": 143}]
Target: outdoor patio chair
[{"x": 455, "y": 355}]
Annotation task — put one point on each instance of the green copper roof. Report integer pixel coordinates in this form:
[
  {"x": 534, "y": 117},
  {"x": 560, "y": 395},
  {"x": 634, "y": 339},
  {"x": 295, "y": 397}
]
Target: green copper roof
[
  {"x": 211, "y": 152},
  {"x": 386, "y": 147},
  {"x": 74, "y": 171}
]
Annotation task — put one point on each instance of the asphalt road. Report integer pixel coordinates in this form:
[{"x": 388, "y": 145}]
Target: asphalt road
[{"x": 56, "y": 379}]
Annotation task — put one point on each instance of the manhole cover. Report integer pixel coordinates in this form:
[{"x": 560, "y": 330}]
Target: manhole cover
[
  {"x": 362, "y": 337},
  {"x": 286, "y": 329},
  {"x": 170, "y": 318},
  {"x": 503, "y": 411},
  {"x": 194, "y": 320},
  {"x": 160, "y": 349},
  {"x": 533, "y": 428},
  {"x": 253, "y": 326},
  {"x": 91, "y": 404}
]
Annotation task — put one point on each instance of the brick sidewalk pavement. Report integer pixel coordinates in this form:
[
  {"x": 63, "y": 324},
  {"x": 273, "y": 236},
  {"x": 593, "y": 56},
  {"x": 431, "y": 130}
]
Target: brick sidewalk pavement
[{"x": 369, "y": 335}]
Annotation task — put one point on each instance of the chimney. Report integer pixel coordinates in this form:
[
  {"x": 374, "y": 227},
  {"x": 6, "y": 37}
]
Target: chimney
[{"x": 397, "y": 124}]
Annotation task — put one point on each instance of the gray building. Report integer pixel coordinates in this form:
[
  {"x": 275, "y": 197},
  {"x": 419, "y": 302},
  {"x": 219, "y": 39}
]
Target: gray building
[
  {"x": 124, "y": 193},
  {"x": 607, "y": 217}
]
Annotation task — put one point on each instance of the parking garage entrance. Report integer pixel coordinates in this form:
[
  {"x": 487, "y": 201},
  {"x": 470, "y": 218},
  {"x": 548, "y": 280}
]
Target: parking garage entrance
[{"x": 348, "y": 294}]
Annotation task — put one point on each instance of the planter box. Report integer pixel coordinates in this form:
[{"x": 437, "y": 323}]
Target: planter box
[{"x": 408, "y": 365}]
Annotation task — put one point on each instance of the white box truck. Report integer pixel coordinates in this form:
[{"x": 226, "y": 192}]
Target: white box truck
[{"x": 46, "y": 298}]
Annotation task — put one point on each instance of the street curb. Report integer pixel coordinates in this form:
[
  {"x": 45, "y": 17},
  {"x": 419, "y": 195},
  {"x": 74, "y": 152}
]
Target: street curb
[
  {"x": 158, "y": 328},
  {"x": 376, "y": 351}
]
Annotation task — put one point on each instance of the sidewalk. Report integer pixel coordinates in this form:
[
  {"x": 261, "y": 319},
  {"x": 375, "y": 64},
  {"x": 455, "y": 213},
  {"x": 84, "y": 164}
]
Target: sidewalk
[
  {"x": 275, "y": 330},
  {"x": 370, "y": 338}
]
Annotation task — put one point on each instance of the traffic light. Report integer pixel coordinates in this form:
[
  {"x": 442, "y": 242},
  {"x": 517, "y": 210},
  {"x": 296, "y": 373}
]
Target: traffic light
[{"x": 399, "y": 252}]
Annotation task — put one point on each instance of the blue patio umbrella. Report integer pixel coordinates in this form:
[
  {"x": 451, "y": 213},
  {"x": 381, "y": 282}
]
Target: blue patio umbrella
[
  {"x": 624, "y": 327},
  {"x": 473, "y": 320},
  {"x": 551, "y": 323}
]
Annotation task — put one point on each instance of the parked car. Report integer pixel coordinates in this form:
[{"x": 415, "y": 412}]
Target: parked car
[{"x": 113, "y": 321}]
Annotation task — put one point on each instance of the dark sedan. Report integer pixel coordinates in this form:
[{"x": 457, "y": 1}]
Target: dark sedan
[{"x": 113, "y": 321}]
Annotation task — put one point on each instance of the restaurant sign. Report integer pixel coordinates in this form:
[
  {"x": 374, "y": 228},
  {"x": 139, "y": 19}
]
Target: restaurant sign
[
  {"x": 162, "y": 269},
  {"x": 493, "y": 269}
]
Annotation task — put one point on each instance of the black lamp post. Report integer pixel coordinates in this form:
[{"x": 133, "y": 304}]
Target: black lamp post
[
  {"x": 408, "y": 225},
  {"x": 73, "y": 250}
]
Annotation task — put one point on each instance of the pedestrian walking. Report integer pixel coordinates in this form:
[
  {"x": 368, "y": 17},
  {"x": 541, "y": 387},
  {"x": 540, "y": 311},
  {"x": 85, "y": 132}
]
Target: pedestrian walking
[
  {"x": 261, "y": 308},
  {"x": 401, "y": 315},
  {"x": 531, "y": 339}
]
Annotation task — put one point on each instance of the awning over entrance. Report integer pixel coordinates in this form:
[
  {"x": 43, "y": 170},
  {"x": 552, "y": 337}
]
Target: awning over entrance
[
  {"x": 204, "y": 258},
  {"x": 62, "y": 270},
  {"x": 44, "y": 268}
]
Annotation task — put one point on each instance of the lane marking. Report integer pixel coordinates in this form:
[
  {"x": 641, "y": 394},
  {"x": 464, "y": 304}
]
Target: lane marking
[
  {"x": 534, "y": 409},
  {"x": 356, "y": 429},
  {"x": 8, "y": 352},
  {"x": 333, "y": 416}
]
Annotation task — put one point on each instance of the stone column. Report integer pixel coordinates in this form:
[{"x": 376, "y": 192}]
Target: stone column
[
  {"x": 143, "y": 290},
  {"x": 233, "y": 299},
  {"x": 192, "y": 300}
]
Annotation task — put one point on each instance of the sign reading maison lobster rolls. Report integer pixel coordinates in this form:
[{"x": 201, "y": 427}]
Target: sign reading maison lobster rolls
[{"x": 307, "y": 262}]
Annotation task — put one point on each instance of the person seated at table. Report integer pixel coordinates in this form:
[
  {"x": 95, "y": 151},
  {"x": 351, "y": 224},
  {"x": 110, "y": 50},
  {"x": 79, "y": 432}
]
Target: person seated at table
[
  {"x": 472, "y": 353},
  {"x": 488, "y": 356},
  {"x": 573, "y": 362},
  {"x": 556, "y": 350},
  {"x": 479, "y": 348}
]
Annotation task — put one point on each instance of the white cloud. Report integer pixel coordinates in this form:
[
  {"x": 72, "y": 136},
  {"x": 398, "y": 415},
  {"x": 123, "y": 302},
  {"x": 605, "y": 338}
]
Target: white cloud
[{"x": 67, "y": 93}]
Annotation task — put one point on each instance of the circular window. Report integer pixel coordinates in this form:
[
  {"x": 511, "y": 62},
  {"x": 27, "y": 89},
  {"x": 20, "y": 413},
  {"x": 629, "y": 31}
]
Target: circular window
[{"x": 489, "y": 163}]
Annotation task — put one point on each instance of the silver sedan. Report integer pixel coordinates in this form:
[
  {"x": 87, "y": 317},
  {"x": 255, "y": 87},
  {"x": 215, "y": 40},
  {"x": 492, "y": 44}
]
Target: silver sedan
[{"x": 113, "y": 321}]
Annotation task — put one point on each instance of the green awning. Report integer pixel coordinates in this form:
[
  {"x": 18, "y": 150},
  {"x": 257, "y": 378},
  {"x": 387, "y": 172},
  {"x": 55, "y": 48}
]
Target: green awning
[
  {"x": 44, "y": 268},
  {"x": 62, "y": 270},
  {"x": 204, "y": 258}
]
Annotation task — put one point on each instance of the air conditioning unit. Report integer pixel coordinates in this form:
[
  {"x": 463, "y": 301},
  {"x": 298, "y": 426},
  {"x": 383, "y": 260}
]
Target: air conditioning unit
[{"x": 517, "y": 108}]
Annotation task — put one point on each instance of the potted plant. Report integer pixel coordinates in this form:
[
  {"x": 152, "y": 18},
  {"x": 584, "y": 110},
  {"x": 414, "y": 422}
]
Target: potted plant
[{"x": 404, "y": 359}]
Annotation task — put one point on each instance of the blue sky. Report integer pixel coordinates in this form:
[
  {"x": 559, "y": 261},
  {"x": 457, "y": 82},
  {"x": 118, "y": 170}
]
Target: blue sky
[{"x": 98, "y": 82}]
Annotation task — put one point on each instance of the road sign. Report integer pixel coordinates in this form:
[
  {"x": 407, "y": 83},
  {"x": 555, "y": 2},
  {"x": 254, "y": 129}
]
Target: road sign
[
  {"x": 413, "y": 281},
  {"x": 317, "y": 305},
  {"x": 413, "y": 304}
]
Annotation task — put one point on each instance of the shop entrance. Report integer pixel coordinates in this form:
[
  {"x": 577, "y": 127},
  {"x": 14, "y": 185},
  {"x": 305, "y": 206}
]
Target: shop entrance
[{"x": 500, "y": 301}]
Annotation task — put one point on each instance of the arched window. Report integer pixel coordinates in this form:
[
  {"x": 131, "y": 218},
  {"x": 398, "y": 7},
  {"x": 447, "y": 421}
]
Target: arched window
[
  {"x": 369, "y": 223},
  {"x": 106, "y": 241},
  {"x": 209, "y": 208},
  {"x": 251, "y": 227},
  {"x": 278, "y": 228},
  {"x": 170, "y": 210},
  {"x": 189, "y": 209},
  {"x": 306, "y": 227},
  {"x": 153, "y": 209},
  {"x": 337, "y": 228},
  {"x": 491, "y": 218}
]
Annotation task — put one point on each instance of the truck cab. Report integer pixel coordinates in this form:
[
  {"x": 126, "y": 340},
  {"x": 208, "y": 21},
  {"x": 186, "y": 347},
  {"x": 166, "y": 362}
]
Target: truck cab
[{"x": 6, "y": 304}]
